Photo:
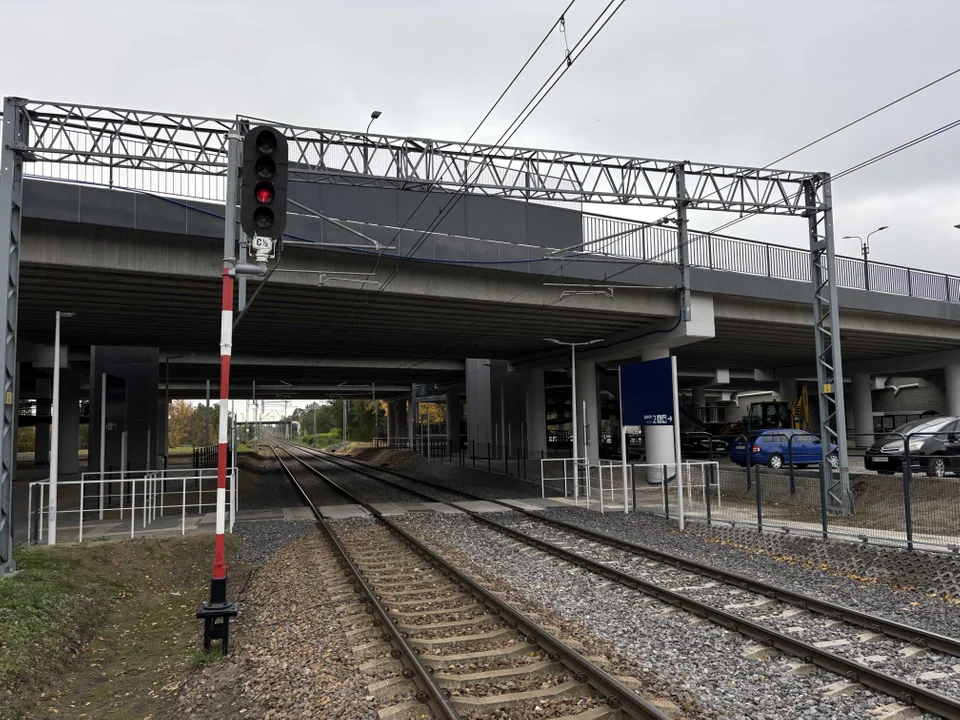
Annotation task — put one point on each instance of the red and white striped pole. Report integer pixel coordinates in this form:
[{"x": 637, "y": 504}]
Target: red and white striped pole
[
  {"x": 218, "y": 587},
  {"x": 217, "y": 612}
]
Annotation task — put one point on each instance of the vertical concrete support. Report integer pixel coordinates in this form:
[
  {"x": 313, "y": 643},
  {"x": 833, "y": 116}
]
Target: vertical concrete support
[
  {"x": 388, "y": 421},
  {"x": 412, "y": 418},
  {"x": 69, "y": 444},
  {"x": 862, "y": 410},
  {"x": 132, "y": 398},
  {"x": 952, "y": 373},
  {"x": 536, "y": 414},
  {"x": 788, "y": 389},
  {"x": 700, "y": 395},
  {"x": 454, "y": 413},
  {"x": 589, "y": 443},
  {"x": 479, "y": 409},
  {"x": 41, "y": 446},
  {"x": 658, "y": 440}
]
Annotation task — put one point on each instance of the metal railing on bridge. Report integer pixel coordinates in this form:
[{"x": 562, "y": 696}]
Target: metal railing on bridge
[{"x": 636, "y": 241}]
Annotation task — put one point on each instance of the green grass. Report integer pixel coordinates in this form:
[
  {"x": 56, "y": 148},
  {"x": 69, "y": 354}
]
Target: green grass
[{"x": 92, "y": 628}]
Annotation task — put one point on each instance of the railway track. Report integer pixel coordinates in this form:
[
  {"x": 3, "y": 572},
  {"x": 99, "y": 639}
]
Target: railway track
[
  {"x": 444, "y": 644},
  {"x": 899, "y": 660}
]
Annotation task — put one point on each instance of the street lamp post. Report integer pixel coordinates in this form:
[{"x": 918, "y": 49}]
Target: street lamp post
[
  {"x": 55, "y": 436},
  {"x": 373, "y": 116},
  {"x": 573, "y": 388},
  {"x": 865, "y": 249}
]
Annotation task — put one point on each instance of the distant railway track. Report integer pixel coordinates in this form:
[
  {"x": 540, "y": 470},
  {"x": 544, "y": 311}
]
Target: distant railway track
[
  {"x": 459, "y": 644},
  {"x": 770, "y": 615}
]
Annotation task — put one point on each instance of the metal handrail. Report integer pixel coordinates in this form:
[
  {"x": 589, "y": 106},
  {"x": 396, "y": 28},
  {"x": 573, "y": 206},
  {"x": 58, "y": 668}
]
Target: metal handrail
[{"x": 629, "y": 239}]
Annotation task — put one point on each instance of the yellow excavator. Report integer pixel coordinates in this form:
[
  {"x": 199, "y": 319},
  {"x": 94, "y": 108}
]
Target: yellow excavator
[{"x": 773, "y": 414}]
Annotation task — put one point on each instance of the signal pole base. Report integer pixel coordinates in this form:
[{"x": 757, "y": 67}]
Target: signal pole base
[{"x": 216, "y": 616}]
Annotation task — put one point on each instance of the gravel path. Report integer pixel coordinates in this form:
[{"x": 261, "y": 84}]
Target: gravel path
[
  {"x": 693, "y": 656},
  {"x": 292, "y": 658},
  {"x": 931, "y": 613}
]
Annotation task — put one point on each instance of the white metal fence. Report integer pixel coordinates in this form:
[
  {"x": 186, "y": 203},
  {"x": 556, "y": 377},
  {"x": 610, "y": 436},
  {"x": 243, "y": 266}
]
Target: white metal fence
[
  {"x": 637, "y": 486},
  {"x": 100, "y": 504}
]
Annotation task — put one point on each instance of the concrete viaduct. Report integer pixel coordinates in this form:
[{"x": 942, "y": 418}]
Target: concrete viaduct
[{"x": 465, "y": 308}]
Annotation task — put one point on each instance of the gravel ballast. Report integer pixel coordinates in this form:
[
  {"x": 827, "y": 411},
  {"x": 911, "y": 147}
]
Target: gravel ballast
[
  {"x": 930, "y": 613},
  {"x": 290, "y": 655},
  {"x": 696, "y": 657}
]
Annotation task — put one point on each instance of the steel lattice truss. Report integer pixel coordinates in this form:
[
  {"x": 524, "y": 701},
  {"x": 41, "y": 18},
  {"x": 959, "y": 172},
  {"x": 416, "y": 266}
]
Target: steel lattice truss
[{"x": 141, "y": 150}]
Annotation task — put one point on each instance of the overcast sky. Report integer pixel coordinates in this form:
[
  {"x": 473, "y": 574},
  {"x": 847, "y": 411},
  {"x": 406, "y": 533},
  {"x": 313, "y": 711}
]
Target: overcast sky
[{"x": 734, "y": 81}]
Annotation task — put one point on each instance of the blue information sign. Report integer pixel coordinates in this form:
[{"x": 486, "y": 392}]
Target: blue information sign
[{"x": 646, "y": 392}]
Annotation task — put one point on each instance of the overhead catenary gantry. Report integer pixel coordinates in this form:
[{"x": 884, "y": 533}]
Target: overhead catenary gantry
[{"x": 187, "y": 156}]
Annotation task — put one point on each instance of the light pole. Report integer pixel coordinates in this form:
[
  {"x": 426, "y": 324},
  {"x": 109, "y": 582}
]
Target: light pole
[
  {"x": 865, "y": 249},
  {"x": 55, "y": 435},
  {"x": 573, "y": 388},
  {"x": 373, "y": 116}
]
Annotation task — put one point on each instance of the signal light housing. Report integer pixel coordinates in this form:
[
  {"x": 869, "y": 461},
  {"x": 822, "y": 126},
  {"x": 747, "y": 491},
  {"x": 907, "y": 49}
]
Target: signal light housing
[{"x": 263, "y": 182}]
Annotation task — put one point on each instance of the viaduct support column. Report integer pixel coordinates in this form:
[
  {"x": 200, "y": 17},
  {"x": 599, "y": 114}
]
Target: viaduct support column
[
  {"x": 69, "y": 444},
  {"x": 479, "y": 405},
  {"x": 862, "y": 410},
  {"x": 952, "y": 373},
  {"x": 412, "y": 418},
  {"x": 788, "y": 389},
  {"x": 41, "y": 446},
  {"x": 536, "y": 415},
  {"x": 658, "y": 439},
  {"x": 454, "y": 413},
  {"x": 589, "y": 444},
  {"x": 700, "y": 395}
]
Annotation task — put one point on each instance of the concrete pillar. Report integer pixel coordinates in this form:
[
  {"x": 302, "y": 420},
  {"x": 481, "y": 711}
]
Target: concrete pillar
[
  {"x": 411, "y": 418},
  {"x": 536, "y": 414},
  {"x": 132, "y": 404},
  {"x": 388, "y": 420},
  {"x": 862, "y": 410},
  {"x": 589, "y": 446},
  {"x": 788, "y": 389},
  {"x": 658, "y": 440},
  {"x": 479, "y": 406},
  {"x": 41, "y": 447},
  {"x": 700, "y": 395},
  {"x": 69, "y": 444},
  {"x": 454, "y": 413},
  {"x": 952, "y": 374}
]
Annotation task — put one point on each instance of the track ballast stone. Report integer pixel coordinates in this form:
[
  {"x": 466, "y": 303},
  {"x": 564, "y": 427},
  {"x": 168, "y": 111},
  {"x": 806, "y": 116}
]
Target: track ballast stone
[
  {"x": 695, "y": 656},
  {"x": 930, "y": 613}
]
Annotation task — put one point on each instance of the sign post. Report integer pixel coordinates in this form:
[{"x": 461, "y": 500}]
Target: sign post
[{"x": 649, "y": 398}]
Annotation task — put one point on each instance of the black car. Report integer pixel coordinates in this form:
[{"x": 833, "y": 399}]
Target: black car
[
  {"x": 934, "y": 454},
  {"x": 702, "y": 443}
]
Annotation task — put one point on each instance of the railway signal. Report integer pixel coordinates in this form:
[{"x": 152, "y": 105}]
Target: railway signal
[{"x": 263, "y": 188}]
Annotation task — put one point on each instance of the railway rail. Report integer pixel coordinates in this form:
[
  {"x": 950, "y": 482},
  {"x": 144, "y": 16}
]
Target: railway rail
[
  {"x": 459, "y": 644},
  {"x": 773, "y": 618}
]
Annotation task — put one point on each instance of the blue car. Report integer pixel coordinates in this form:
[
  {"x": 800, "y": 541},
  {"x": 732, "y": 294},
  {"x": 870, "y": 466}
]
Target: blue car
[{"x": 774, "y": 447}]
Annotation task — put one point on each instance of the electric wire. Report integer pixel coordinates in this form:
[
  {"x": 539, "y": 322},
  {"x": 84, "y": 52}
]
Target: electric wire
[{"x": 511, "y": 130}]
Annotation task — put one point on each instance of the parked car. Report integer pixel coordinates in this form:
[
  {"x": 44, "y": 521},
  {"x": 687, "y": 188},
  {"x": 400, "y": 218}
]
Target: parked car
[
  {"x": 702, "y": 443},
  {"x": 934, "y": 454},
  {"x": 774, "y": 447}
]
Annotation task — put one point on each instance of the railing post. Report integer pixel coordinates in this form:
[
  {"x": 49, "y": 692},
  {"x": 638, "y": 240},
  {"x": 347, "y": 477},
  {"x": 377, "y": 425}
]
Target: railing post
[
  {"x": 907, "y": 479},
  {"x": 666, "y": 495},
  {"x": 707, "y": 480},
  {"x": 793, "y": 480},
  {"x": 489, "y": 457},
  {"x": 769, "y": 273},
  {"x": 946, "y": 288},
  {"x": 759, "y": 500},
  {"x": 909, "y": 283}
]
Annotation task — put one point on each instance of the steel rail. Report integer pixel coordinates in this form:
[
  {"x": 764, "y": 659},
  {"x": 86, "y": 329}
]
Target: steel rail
[
  {"x": 429, "y": 692},
  {"x": 909, "y": 633},
  {"x": 902, "y": 690},
  {"x": 618, "y": 696}
]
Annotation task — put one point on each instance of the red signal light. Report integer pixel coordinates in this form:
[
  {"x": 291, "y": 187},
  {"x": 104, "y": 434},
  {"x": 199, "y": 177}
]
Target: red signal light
[{"x": 264, "y": 193}]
